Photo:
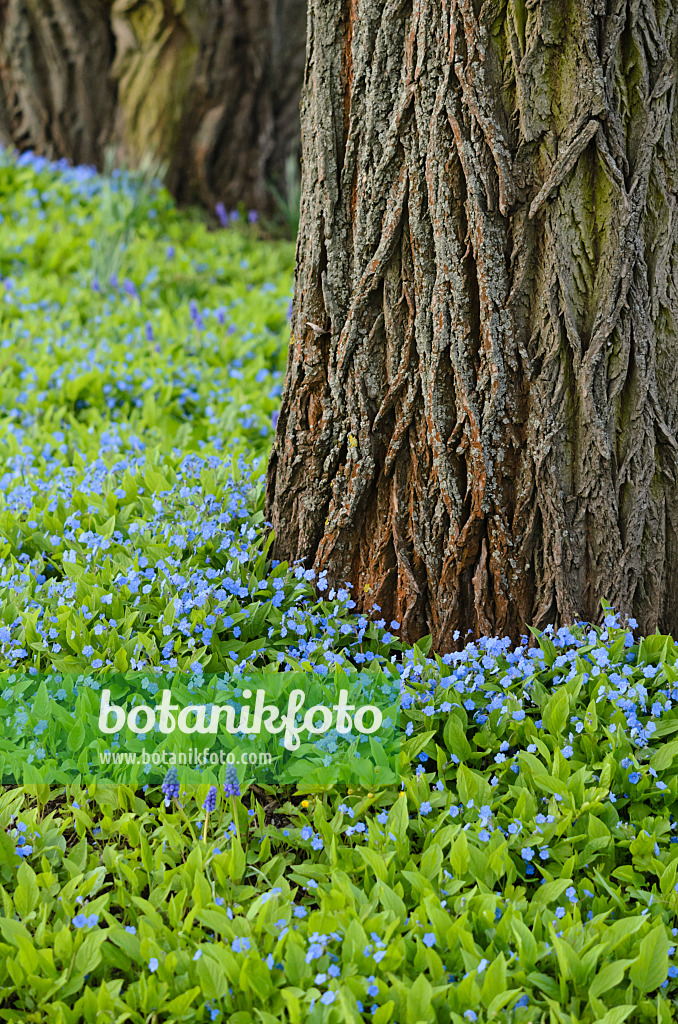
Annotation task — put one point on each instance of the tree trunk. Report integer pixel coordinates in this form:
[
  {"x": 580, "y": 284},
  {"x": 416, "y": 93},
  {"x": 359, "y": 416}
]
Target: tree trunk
[
  {"x": 209, "y": 88},
  {"x": 239, "y": 118},
  {"x": 478, "y": 425},
  {"x": 56, "y": 96}
]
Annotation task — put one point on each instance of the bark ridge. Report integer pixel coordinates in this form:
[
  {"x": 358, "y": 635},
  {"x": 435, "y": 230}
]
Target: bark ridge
[{"x": 479, "y": 420}]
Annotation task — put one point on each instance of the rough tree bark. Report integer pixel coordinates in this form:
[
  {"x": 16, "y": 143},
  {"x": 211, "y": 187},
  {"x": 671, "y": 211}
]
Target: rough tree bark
[
  {"x": 210, "y": 88},
  {"x": 479, "y": 420}
]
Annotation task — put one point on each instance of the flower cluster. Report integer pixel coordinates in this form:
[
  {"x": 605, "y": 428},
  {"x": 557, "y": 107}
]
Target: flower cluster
[
  {"x": 231, "y": 784},
  {"x": 170, "y": 786},
  {"x": 210, "y": 800}
]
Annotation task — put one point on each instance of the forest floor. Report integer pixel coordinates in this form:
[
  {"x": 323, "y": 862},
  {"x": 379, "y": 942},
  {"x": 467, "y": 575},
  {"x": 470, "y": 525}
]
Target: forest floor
[{"x": 504, "y": 849}]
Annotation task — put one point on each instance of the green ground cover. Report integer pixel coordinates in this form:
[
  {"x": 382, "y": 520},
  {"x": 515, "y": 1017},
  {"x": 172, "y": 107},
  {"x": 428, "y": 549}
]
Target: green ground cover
[{"x": 524, "y": 868}]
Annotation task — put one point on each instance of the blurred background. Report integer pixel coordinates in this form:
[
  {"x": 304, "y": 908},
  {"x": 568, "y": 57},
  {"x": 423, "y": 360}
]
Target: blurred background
[{"x": 205, "y": 93}]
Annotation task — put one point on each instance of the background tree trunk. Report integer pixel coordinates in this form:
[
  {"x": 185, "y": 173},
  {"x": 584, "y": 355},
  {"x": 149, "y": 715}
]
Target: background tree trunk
[
  {"x": 209, "y": 88},
  {"x": 56, "y": 96},
  {"x": 239, "y": 120},
  {"x": 478, "y": 425}
]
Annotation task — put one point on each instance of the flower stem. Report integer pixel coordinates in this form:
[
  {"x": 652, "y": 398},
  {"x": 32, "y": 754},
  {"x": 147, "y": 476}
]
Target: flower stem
[
  {"x": 235, "y": 819},
  {"x": 185, "y": 817}
]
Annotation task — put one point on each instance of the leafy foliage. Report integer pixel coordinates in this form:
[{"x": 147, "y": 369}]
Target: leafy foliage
[{"x": 525, "y": 868}]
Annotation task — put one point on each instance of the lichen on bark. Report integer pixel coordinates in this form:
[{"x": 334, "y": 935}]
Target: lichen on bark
[{"x": 478, "y": 425}]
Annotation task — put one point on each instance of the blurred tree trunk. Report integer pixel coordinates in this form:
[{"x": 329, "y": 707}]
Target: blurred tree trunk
[
  {"x": 480, "y": 416},
  {"x": 213, "y": 91},
  {"x": 210, "y": 88},
  {"x": 56, "y": 95}
]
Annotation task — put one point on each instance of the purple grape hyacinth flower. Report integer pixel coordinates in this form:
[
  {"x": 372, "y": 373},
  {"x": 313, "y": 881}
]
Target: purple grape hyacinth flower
[
  {"x": 170, "y": 786},
  {"x": 231, "y": 785},
  {"x": 220, "y": 211}
]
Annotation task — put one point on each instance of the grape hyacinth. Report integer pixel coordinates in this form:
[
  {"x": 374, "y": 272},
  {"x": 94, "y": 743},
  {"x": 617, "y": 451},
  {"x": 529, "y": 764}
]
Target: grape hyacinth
[
  {"x": 232, "y": 789},
  {"x": 170, "y": 786},
  {"x": 231, "y": 785},
  {"x": 209, "y": 805}
]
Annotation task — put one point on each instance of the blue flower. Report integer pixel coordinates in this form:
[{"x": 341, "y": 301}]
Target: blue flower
[
  {"x": 315, "y": 951},
  {"x": 231, "y": 784},
  {"x": 170, "y": 786}
]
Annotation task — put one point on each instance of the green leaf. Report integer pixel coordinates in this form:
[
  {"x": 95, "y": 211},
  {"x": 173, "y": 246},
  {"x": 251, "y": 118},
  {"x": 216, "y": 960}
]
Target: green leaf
[
  {"x": 215, "y": 921},
  {"x": 556, "y": 712},
  {"x": 664, "y": 756},
  {"x": 373, "y": 861},
  {"x": 545, "y": 984},
  {"x": 76, "y": 737},
  {"x": 617, "y": 1015},
  {"x": 652, "y": 964},
  {"x": 455, "y": 740},
  {"x": 213, "y": 980},
  {"x": 8, "y": 854},
  {"x": 495, "y": 979},
  {"x": 419, "y": 1002},
  {"x": 550, "y": 891},
  {"x": 527, "y": 946},
  {"x": 89, "y": 955},
  {"x": 15, "y": 932},
  {"x": 459, "y": 855},
  {"x": 383, "y": 1014},
  {"x": 27, "y": 894},
  {"x": 609, "y": 977},
  {"x": 181, "y": 1003},
  {"x": 398, "y": 818},
  {"x": 390, "y": 900},
  {"x": 120, "y": 660},
  {"x": 424, "y": 644}
]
